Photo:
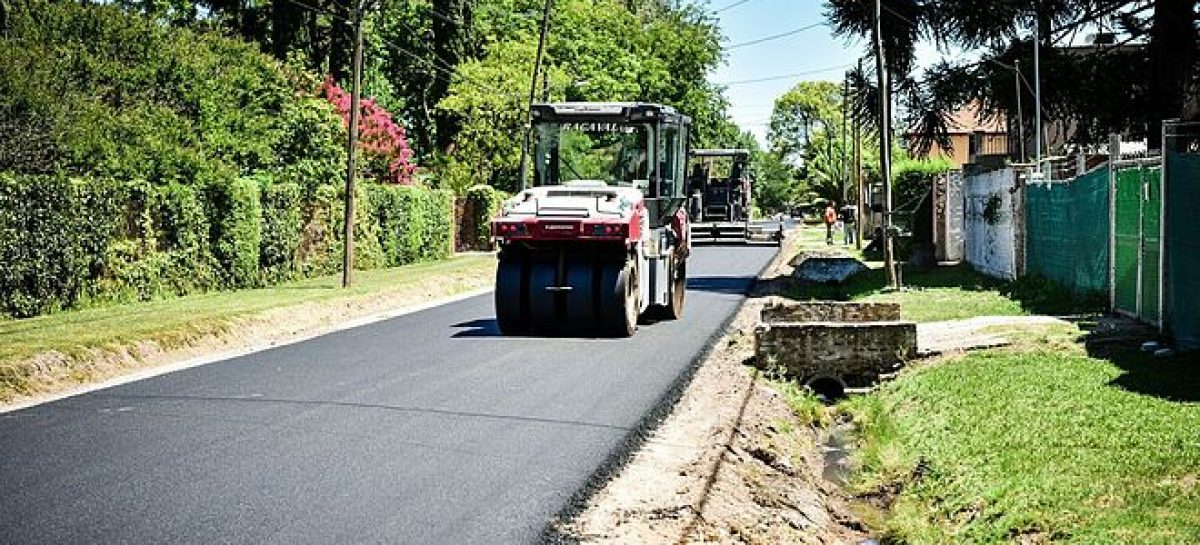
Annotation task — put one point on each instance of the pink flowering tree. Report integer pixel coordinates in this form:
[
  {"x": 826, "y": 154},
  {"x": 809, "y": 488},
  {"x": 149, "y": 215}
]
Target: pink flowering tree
[{"x": 381, "y": 140}]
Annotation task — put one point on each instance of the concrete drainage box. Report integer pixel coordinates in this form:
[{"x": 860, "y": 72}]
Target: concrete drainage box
[{"x": 851, "y": 343}]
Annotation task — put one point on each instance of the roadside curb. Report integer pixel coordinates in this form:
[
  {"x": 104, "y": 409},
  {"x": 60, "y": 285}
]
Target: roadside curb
[
  {"x": 637, "y": 437},
  {"x": 158, "y": 370}
]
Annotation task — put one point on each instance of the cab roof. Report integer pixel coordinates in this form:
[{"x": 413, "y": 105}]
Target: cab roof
[{"x": 606, "y": 111}]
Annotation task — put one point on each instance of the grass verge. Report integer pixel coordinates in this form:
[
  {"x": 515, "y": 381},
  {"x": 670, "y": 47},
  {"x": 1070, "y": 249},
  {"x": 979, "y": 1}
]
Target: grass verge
[
  {"x": 941, "y": 293},
  {"x": 76, "y": 337},
  {"x": 1043, "y": 441}
]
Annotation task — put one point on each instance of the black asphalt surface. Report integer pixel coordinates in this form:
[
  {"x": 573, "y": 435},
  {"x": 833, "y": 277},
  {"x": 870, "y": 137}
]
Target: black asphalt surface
[{"x": 427, "y": 428}]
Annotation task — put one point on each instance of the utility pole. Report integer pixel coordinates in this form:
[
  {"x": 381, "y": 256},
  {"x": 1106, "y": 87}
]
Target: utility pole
[
  {"x": 1020, "y": 112},
  {"x": 533, "y": 84},
  {"x": 1037, "y": 84},
  {"x": 352, "y": 152},
  {"x": 885, "y": 147},
  {"x": 844, "y": 178},
  {"x": 859, "y": 200}
]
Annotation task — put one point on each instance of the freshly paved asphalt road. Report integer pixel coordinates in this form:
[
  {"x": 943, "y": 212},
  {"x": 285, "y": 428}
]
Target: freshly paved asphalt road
[{"x": 428, "y": 428}]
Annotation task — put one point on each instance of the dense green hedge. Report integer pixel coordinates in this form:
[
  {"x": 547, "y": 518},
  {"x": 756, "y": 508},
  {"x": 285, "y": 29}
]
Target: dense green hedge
[
  {"x": 414, "y": 223},
  {"x": 68, "y": 243}
]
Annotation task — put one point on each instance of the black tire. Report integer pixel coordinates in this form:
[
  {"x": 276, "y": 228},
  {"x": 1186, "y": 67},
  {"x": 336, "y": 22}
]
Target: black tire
[
  {"x": 618, "y": 299},
  {"x": 580, "y": 302},
  {"x": 543, "y": 307},
  {"x": 674, "y": 309},
  {"x": 511, "y": 314}
]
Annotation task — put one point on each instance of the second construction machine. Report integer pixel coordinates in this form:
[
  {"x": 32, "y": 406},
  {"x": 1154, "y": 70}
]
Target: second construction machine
[
  {"x": 601, "y": 240},
  {"x": 720, "y": 186}
]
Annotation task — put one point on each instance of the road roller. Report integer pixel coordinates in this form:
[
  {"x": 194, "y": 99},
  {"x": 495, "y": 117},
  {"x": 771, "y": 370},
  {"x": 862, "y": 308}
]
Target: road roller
[{"x": 600, "y": 240}]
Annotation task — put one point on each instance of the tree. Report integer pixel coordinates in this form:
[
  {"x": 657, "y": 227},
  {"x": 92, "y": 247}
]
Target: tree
[
  {"x": 1096, "y": 90},
  {"x": 776, "y": 183},
  {"x": 798, "y": 112}
]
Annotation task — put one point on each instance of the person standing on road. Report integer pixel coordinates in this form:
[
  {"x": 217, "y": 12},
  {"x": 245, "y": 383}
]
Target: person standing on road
[{"x": 830, "y": 219}]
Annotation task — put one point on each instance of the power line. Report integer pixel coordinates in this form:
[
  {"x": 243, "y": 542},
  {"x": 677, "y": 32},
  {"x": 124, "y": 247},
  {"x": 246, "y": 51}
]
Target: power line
[
  {"x": 775, "y": 36},
  {"x": 730, "y": 6},
  {"x": 786, "y": 76}
]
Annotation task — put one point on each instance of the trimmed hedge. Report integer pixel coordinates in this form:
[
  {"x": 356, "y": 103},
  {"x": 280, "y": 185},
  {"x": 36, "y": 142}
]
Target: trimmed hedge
[
  {"x": 413, "y": 223},
  {"x": 69, "y": 243},
  {"x": 237, "y": 230},
  {"x": 281, "y": 229}
]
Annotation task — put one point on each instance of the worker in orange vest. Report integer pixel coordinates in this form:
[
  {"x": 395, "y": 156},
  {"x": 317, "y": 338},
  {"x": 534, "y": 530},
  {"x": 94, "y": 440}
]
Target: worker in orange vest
[{"x": 830, "y": 219}]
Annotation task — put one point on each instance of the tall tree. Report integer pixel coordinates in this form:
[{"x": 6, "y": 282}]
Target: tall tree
[{"x": 806, "y": 107}]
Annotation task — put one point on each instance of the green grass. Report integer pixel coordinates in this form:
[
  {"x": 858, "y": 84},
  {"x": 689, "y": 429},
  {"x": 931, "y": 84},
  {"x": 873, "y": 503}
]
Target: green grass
[
  {"x": 942, "y": 293},
  {"x": 808, "y": 409},
  {"x": 1043, "y": 438},
  {"x": 177, "y": 322}
]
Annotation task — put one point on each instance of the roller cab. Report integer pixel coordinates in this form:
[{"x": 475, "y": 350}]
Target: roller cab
[{"x": 600, "y": 241}]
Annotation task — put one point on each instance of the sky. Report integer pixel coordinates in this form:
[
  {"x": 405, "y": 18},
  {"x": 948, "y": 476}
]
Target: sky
[{"x": 816, "y": 53}]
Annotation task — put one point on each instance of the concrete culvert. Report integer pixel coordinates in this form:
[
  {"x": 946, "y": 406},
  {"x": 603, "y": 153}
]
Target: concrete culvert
[{"x": 827, "y": 389}]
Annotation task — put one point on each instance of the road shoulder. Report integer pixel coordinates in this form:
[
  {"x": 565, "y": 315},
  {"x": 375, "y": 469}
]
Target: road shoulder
[
  {"x": 52, "y": 374},
  {"x": 732, "y": 463}
]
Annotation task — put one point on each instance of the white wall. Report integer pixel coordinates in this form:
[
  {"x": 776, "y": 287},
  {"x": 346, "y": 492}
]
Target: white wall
[{"x": 991, "y": 247}]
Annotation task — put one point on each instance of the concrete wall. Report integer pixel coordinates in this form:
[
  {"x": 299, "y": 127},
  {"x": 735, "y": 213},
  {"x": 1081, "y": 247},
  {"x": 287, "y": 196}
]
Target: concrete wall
[
  {"x": 993, "y": 245},
  {"x": 856, "y": 354},
  {"x": 852, "y": 343}
]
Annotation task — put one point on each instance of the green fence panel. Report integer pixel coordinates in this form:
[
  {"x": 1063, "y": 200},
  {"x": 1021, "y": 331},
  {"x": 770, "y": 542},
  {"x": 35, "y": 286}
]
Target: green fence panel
[
  {"x": 1183, "y": 248},
  {"x": 1151, "y": 237},
  {"x": 1127, "y": 237},
  {"x": 1067, "y": 232}
]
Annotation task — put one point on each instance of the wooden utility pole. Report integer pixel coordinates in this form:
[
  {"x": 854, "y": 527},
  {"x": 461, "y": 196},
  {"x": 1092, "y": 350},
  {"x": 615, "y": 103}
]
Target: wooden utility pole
[
  {"x": 352, "y": 152},
  {"x": 844, "y": 178},
  {"x": 533, "y": 85},
  {"x": 858, "y": 189},
  {"x": 885, "y": 146}
]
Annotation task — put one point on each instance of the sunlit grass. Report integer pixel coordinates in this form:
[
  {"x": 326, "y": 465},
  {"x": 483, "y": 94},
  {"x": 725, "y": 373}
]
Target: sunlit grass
[{"x": 1041, "y": 439}]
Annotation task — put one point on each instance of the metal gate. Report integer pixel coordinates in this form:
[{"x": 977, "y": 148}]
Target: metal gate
[{"x": 1136, "y": 246}]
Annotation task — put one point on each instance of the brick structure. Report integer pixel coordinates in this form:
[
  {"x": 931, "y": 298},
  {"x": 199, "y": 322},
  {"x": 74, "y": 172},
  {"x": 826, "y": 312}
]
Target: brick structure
[
  {"x": 779, "y": 310},
  {"x": 851, "y": 343}
]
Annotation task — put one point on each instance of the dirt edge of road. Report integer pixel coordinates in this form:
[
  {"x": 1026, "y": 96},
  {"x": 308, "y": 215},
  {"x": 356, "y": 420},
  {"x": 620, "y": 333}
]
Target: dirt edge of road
[
  {"x": 720, "y": 460},
  {"x": 58, "y": 375}
]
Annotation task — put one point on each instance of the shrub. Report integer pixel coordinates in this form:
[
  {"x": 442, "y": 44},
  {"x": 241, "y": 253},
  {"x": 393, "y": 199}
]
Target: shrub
[
  {"x": 416, "y": 223},
  {"x": 312, "y": 149},
  {"x": 67, "y": 243},
  {"x": 386, "y": 154},
  {"x": 182, "y": 234},
  {"x": 368, "y": 251},
  {"x": 236, "y": 215},
  {"x": 281, "y": 225},
  {"x": 94, "y": 90},
  {"x": 315, "y": 255},
  {"x": 36, "y": 277},
  {"x": 51, "y": 231}
]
